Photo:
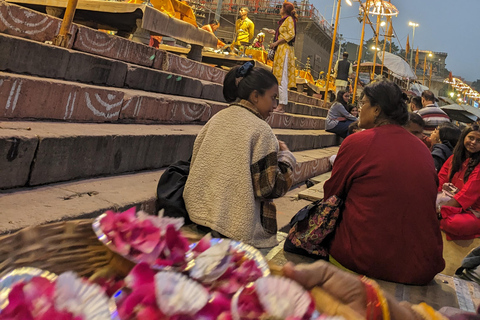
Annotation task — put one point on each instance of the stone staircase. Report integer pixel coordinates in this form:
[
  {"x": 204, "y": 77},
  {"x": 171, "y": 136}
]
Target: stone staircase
[{"x": 89, "y": 128}]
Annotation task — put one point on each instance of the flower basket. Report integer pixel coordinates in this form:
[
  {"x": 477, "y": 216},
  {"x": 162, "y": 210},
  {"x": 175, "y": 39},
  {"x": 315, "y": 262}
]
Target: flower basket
[{"x": 59, "y": 247}]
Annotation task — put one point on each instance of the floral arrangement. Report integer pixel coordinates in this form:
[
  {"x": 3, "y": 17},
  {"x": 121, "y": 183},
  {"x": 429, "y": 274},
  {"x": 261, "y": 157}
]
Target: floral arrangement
[
  {"x": 273, "y": 298},
  {"x": 145, "y": 238},
  {"x": 68, "y": 297},
  {"x": 219, "y": 270}
]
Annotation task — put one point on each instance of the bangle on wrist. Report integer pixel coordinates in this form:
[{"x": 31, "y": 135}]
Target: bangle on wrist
[
  {"x": 427, "y": 312},
  {"x": 377, "y": 304}
]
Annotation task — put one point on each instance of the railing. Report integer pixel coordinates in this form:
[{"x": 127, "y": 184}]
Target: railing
[{"x": 304, "y": 11}]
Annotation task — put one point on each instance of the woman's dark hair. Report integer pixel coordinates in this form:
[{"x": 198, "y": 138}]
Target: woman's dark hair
[
  {"x": 460, "y": 155},
  {"x": 214, "y": 22},
  {"x": 340, "y": 98},
  {"x": 352, "y": 127},
  {"x": 241, "y": 81},
  {"x": 417, "y": 119},
  {"x": 350, "y": 107},
  {"x": 289, "y": 10},
  {"x": 391, "y": 100},
  {"x": 448, "y": 132}
]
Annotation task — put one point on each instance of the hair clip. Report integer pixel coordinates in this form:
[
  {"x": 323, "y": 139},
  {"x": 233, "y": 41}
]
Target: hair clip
[{"x": 243, "y": 70}]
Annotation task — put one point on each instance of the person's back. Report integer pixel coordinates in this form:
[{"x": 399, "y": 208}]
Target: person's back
[
  {"x": 238, "y": 165},
  {"x": 389, "y": 229},
  {"x": 431, "y": 114}
]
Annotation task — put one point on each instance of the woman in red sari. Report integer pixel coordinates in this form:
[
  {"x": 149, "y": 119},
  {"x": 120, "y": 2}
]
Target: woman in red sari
[{"x": 461, "y": 214}]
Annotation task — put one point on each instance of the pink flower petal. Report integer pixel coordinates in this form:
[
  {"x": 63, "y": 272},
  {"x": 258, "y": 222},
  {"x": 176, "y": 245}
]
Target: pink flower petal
[
  {"x": 141, "y": 275},
  {"x": 150, "y": 313},
  {"x": 203, "y": 244}
]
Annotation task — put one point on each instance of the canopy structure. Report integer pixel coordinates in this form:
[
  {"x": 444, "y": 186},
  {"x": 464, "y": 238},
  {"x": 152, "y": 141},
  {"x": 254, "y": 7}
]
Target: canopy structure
[
  {"x": 397, "y": 65},
  {"x": 463, "y": 113},
  {"x": 417, "y": 88}
]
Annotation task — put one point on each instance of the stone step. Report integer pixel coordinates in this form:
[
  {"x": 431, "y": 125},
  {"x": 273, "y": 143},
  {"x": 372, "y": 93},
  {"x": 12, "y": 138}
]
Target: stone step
[
  {"x": 315, "y": 192},
  {"x": 89, "y": 198},
  {"x": 305, "y": 109},
  {"x": 29, "y": 24},
  {"x": 25, "y": 56},
  {"x": 37, "y": 153},
  {"x": 23, "y": 22},
  {"x": 28, "y": 97}
]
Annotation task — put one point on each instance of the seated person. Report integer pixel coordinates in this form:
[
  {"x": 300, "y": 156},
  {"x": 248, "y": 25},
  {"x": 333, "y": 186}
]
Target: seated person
[
  {"x": 353, "y": 110},
  {"x": 415, "y": 126},
  {"x": 461, "y": 214},
  {"x": 416, "y": 104},
  {"x": 338, "y": 118},
  {"x": 431, "y": 113},
  {"x": 389, "y": 228},
  {"x": 230, "y": 186},
  {"x": 258, "y": 41},
  {"x": 211, "y": 27},
  {"x": 444, "y": 139},
  {"x": 353, "y": 128}
]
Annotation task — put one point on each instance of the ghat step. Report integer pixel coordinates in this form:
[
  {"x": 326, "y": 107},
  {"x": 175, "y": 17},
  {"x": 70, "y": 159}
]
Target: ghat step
[
  {"x": 88, "y": 198},
  {"x": 37, "y": 153},
  {"x": 28, "y": 97}
]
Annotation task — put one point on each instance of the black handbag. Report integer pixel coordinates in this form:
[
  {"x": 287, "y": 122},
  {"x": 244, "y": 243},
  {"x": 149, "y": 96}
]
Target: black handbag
[
  {"x": 170, "y": 191},
  {"x": 271, "y": 54}
]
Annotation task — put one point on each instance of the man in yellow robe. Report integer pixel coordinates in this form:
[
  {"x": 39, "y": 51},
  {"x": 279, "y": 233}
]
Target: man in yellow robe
[{"x": 244, "y": 28}]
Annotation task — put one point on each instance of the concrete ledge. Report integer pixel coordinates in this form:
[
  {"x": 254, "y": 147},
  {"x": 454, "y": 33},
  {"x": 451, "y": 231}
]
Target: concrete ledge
[
  {"x": 68, "y": 151},
  {"x": 48, "y": 152},
  {"x": 27, "y": 97},
  {"x": 114, "y": 47},
  {"x": 295, "y": 121},
  {"x": 17, "y": 149},
  {"x": 162, "y": 82},
  {"x": 29, "y": 57},
  {"x": 194, "y": 69},
  {"x": 21, "y": 22},
  {"x": 89, "y": 198}
]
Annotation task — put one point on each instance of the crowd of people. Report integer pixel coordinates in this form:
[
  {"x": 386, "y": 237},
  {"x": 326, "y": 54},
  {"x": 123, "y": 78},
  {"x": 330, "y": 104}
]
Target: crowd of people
[{"x": 402, "y": 176}]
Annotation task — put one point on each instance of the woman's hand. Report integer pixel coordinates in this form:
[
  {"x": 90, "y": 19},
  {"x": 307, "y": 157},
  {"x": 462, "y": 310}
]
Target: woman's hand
[
  {"x": 273, "y": 45},
  {"x": 282, "y": 146},
  {"x": 345, "y": 287},
  {"x": 271, "y": 31},
  {"x": 342, "y": 119}
]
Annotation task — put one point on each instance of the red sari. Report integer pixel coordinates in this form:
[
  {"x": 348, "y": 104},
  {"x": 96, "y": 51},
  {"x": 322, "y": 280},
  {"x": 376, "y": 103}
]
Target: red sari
[{"x": 460, "y": 223}]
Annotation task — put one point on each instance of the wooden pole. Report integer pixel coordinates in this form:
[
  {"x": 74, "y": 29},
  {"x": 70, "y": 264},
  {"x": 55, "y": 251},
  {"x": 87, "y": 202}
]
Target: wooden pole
[
  {"x": 360, "y": 50},
  {"x": 372, "y": 77},
  {"x": 383, "y": 51},
  {"x": 63, "y": 36},
  {"x": 332, "y": 50}
]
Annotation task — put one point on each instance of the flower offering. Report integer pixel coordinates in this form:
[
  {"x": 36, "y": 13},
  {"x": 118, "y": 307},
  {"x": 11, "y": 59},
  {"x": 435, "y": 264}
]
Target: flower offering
[{"x": 144, "y": 238}]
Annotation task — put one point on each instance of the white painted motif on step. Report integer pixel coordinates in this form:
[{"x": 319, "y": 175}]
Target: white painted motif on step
[
  {"x": 104, "y": 104},
  {"x": 137, "y": 108},
  {"x": 98, "y": 47},
  {"x": 70, "y": 105},
  {"x": 188, "y": 111},
  {"x": 24, "y": 23},
  {"x": 138, "y": 105},
  {"x": 14, "y": 93}
]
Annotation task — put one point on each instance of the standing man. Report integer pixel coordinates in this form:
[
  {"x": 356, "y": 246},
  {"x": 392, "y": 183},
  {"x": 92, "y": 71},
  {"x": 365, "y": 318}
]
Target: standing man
[
  {"x": 244, "y": 28},
  {"x": 431, "y": 114},
  {"x": 343, "y": 70}
]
